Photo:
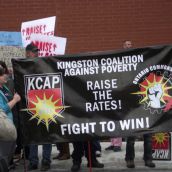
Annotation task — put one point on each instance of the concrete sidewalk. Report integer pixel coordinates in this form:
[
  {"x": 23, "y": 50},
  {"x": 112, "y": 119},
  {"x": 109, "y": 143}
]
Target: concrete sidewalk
[{"x": 113, "y": 161}]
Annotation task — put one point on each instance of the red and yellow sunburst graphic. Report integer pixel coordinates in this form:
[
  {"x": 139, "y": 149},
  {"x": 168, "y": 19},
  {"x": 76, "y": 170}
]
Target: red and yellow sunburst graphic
[
  {"x": 160, "y": 141},
  {"x": 45, "y": 110},
  {"x": 153, "y": 81}
]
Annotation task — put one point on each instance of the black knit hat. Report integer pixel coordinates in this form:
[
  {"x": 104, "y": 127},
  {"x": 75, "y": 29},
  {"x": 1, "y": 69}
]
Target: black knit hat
[{"x": 32, "y": 47}]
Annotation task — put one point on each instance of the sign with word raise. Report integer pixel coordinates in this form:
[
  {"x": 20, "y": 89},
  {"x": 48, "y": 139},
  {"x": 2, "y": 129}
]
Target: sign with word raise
[
  {"x": 43, "y": 26},
  {"x": 49, "y": 45},
  {"x": 95, "y": 95}
]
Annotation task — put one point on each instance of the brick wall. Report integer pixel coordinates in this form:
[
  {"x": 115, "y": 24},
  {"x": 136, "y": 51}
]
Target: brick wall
[{"x": 95, "y": 25}]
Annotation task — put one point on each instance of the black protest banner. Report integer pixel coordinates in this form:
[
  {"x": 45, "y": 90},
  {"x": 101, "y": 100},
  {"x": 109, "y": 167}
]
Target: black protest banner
[{"x": 95, "y": 95}]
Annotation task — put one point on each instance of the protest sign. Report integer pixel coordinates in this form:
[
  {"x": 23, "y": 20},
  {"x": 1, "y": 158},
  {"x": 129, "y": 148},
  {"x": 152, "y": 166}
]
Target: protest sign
[
  {"x": 10, "y": 39},
  {"x": 49, "y": 45},
  {"x": 43, "y": 26},
  {"x": 95, "y": 95},
  {"x": 161, "y": 146}
]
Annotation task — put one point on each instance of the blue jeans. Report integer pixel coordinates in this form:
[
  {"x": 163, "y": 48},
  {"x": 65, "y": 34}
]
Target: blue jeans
[{"x": 46, "y": 154}]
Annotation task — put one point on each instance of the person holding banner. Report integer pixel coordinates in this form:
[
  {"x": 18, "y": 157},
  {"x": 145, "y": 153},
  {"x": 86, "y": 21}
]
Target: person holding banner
[
  {"x": 64, "y": 152},
  {"x": 8, "y": 132},
  {"x": 130, "y": 152},
  {"x": 116, "y": 143},
  {"x": 87, "y": 149},
  {"x": 32, "y": 52}
]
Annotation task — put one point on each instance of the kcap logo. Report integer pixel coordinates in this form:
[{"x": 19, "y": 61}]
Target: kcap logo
[{"x": 44, "y": 95}]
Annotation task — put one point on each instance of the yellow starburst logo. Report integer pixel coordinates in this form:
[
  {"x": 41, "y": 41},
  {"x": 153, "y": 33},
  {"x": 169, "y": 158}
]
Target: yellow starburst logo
[
  {"x": 160, "y": 140},
  {"x": 45, "y": 110}
]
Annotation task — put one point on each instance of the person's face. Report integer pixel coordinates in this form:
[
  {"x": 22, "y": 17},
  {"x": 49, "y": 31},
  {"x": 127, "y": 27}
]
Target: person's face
[
  {"x": 127, "y": 44},
  {"x": 31, "y": 54},
  {"x": 3, "y": 79}
]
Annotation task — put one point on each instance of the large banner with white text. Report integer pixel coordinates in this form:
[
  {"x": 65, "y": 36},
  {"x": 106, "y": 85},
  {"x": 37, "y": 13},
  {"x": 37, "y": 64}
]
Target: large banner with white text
[{"x": 95, "y": 95}]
